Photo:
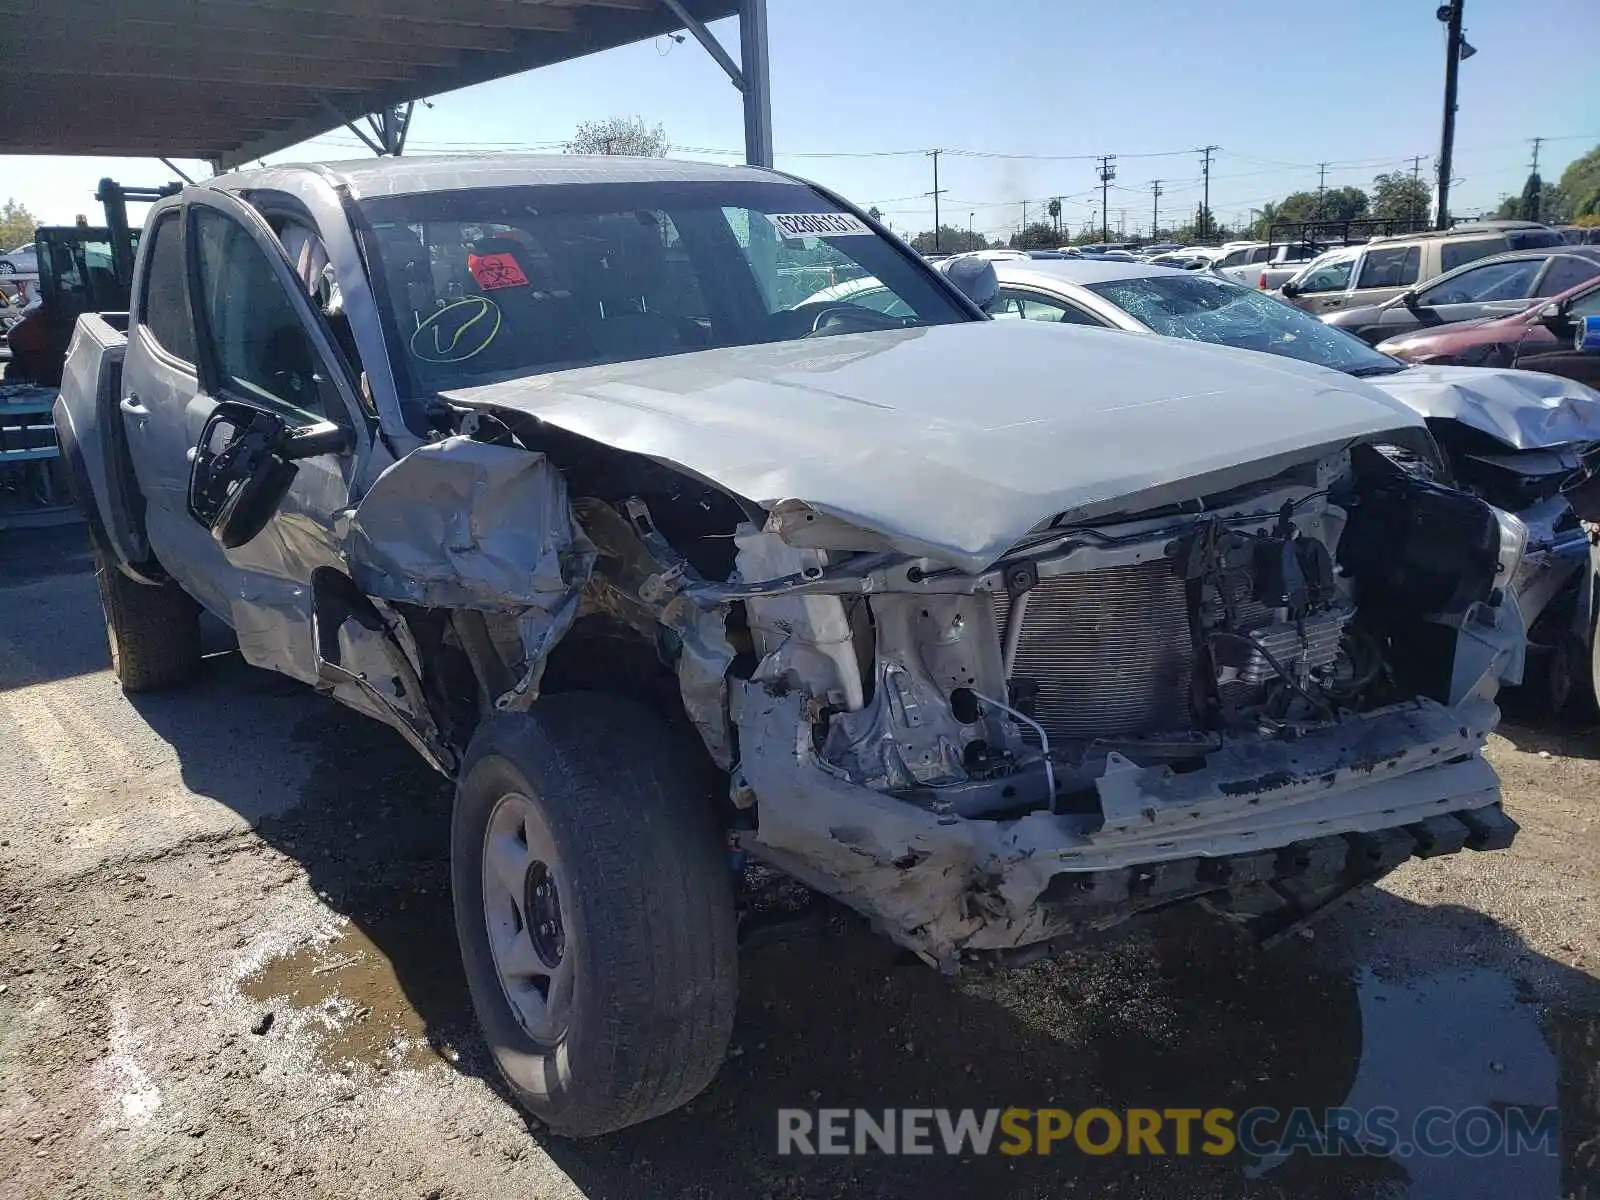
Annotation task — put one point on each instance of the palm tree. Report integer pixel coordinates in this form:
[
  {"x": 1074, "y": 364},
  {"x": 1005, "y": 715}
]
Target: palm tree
[
  {"x": 1054, "y": 209},
  {"x": 1269, "y": 214}
]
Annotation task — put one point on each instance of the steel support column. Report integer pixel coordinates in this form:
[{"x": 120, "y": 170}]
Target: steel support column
[
  {"x": 749, "y": 75},
  {"x": 757, "y": 93}
]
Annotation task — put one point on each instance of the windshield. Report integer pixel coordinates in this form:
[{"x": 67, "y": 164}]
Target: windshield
[
  {"x": 1204, "y": 308},
  {"x": 497, "y": 283}
]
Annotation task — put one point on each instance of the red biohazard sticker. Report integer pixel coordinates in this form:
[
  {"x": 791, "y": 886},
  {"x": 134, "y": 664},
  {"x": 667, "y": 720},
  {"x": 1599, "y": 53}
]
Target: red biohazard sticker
[{"x": 496, "y": 271}]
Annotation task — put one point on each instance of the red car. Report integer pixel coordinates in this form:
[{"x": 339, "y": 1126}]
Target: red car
[{"x": 1540, "y": 338}]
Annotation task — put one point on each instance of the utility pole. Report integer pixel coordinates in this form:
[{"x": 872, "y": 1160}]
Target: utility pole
[
  {"x": 936, "y": 193},
  {"x": 1322, "y": 181},
  {"x": 1122, "y": 224},
  {"x": 1450, "y": 14},
  {"x": 969, "y": 231},
  {"x": 1155, "y": 206},
  {"x": 1107, "y": 174},
  {"x": 1533, "y": 173},
  {"x": 1205, "y": 204}
]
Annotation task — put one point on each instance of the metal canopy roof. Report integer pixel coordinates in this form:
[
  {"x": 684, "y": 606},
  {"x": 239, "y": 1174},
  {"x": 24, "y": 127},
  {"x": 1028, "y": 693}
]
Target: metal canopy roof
[{"x": 232, "y": 80}]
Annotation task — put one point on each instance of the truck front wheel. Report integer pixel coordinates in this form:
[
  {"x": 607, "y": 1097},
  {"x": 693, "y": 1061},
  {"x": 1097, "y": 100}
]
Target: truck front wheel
[
  {"x": 154, "y": 632},
  {"x": 595, "y": 912}
]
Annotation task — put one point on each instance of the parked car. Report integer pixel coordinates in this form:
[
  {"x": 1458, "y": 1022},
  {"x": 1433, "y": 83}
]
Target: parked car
[
  {"x": 1539, "y": 338},
  {"x": 1266, "y": 266},
  {"x": 21, "y": 261},
  {"x": 1491, "y": 287},
  {"x": 1384, "y": 267},
  {"x": 996, "y": 633},
  {"x": 1511, "y": 436}
]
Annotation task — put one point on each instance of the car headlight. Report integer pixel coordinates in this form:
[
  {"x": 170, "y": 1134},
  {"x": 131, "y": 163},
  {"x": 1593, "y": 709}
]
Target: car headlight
[{"x": 1513, "y": 544}]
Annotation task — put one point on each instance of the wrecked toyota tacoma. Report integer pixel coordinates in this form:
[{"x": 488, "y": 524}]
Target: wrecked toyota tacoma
[{"x": 998, "y": 634}]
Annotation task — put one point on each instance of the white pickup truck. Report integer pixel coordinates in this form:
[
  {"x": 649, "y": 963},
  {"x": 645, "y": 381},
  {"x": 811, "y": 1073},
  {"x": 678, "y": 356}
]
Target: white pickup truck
[{"x": 1264, "y": 265}]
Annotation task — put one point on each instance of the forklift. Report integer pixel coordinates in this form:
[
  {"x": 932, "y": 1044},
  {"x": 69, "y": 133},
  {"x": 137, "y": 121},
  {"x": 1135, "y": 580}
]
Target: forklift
[{"x": 82, "y": 268}]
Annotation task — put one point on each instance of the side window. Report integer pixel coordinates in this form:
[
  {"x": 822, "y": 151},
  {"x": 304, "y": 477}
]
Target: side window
[
  {"x": 1331, "y": 276},
  {"x": 881, "y": 299},
  {"x": 1031, "y": 307},
  {"x": 1492, "y": 281},
  {"x": 1390, "y": 266},
  {"x": 1586, "y": 305},
  {"x": 164, "y": 301},
  {"x": 1454, "y": 253},
  {"x": 1567, "y": 271},
  {"x": 260, "y": 349},
  {"x": 1532, "y": 239}
]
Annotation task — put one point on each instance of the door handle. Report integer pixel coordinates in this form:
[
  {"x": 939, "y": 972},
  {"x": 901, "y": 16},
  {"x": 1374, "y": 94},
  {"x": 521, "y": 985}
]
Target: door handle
[{"x": 130, "y": 405}]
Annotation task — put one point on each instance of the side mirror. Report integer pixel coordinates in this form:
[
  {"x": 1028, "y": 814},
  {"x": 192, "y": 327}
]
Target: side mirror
[
  {"x": 244, "y": 465},
  {"x": 1554, "y": 319},
  {"x": 1587, "y": 339},
  {"x": 973, "y": 277},
  {"x": 1289, "y": 290},
  {"x": 1409, "y": 299}
]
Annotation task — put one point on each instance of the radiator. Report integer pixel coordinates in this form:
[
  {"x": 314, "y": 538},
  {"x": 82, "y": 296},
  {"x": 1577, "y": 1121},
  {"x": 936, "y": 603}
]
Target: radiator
[{"x": 1109, "y": 652}]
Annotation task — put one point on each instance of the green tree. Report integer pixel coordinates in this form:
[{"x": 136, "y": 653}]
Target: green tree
[
  {"x": 1580, "y": 183},
  {"x": 1337, "y": 204},
  {"x": 619, "y": 135},
  {"x": 1203, "y": 227},
  {"x": 1398, "y": 196},
  {"x": 875, "y": 213},
  {"x": 1528, "y": 203},
  {"x": 16, "y": 225},
  {"x": 1054, "y": 209},
  {"x": 951, "y": 241},
  {"x": 1036, "y": 236},
  {"x": 1553, "y": 208}
]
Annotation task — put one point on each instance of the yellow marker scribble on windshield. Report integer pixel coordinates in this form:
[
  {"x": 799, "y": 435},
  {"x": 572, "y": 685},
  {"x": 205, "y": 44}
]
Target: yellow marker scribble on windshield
[{"x": 470, "y": 337}]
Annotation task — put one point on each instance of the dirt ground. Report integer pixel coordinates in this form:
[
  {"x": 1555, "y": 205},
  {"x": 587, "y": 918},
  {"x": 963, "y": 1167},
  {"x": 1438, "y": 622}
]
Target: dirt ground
[{"x": 227, "y": 968}]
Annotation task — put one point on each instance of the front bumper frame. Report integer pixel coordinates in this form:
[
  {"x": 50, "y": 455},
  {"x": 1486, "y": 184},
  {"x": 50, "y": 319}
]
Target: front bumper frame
[{"x": 1351, "y": 800}]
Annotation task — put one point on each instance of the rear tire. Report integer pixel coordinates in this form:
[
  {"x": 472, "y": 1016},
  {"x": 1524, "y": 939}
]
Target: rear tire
[
  {"x": 595, "y": 912},
  {"x": 154, "y": 632}
]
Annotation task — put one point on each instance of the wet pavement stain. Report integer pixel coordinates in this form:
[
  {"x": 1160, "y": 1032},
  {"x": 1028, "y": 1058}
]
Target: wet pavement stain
[{"x": 368, "y": 1008}]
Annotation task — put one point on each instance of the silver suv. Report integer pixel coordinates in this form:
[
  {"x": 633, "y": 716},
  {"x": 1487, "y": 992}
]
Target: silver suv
[{"x": 1386, "y": 266}]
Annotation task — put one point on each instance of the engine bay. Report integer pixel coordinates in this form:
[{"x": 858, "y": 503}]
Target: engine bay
[{"x": 1332, "y": 589}]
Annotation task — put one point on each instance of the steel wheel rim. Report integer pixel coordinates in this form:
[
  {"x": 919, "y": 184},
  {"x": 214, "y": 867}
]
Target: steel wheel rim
[{"x": 524, "y": 887}]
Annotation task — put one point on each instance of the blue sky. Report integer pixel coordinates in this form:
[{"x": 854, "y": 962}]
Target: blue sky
[{"x": 1279, "y": 86}]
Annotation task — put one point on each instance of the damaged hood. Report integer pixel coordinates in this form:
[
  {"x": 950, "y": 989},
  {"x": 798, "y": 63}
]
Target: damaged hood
[
  {"x": 954, "y": 441},
  {"x": 1527, "y": 410}
]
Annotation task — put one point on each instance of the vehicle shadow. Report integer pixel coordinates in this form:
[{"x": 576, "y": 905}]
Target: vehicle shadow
[
  {"x": 1179, "y": 1013},
  {"x": 1561, "y": 737}
]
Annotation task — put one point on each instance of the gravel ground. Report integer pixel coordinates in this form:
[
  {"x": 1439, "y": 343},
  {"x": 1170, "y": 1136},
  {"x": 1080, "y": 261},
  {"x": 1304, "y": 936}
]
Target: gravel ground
[{"x": 228, "y": 969}]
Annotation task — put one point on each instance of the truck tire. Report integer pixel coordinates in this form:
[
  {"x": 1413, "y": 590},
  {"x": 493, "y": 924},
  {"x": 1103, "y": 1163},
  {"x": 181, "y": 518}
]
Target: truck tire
[
  {"x": 595, "y": 912},
  {"x": 154, "y": 631}
]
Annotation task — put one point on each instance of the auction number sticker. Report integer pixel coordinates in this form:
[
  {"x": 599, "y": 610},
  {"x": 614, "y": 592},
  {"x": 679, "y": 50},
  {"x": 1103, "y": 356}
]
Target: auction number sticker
[{"x": 823, "y": 224}]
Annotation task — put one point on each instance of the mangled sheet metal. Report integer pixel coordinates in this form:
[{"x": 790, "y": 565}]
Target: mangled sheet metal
[
  {"x": 464, "y": 524},
  {"x": 955, "y": 440},
  {"x": 1525, "y": 409}
]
